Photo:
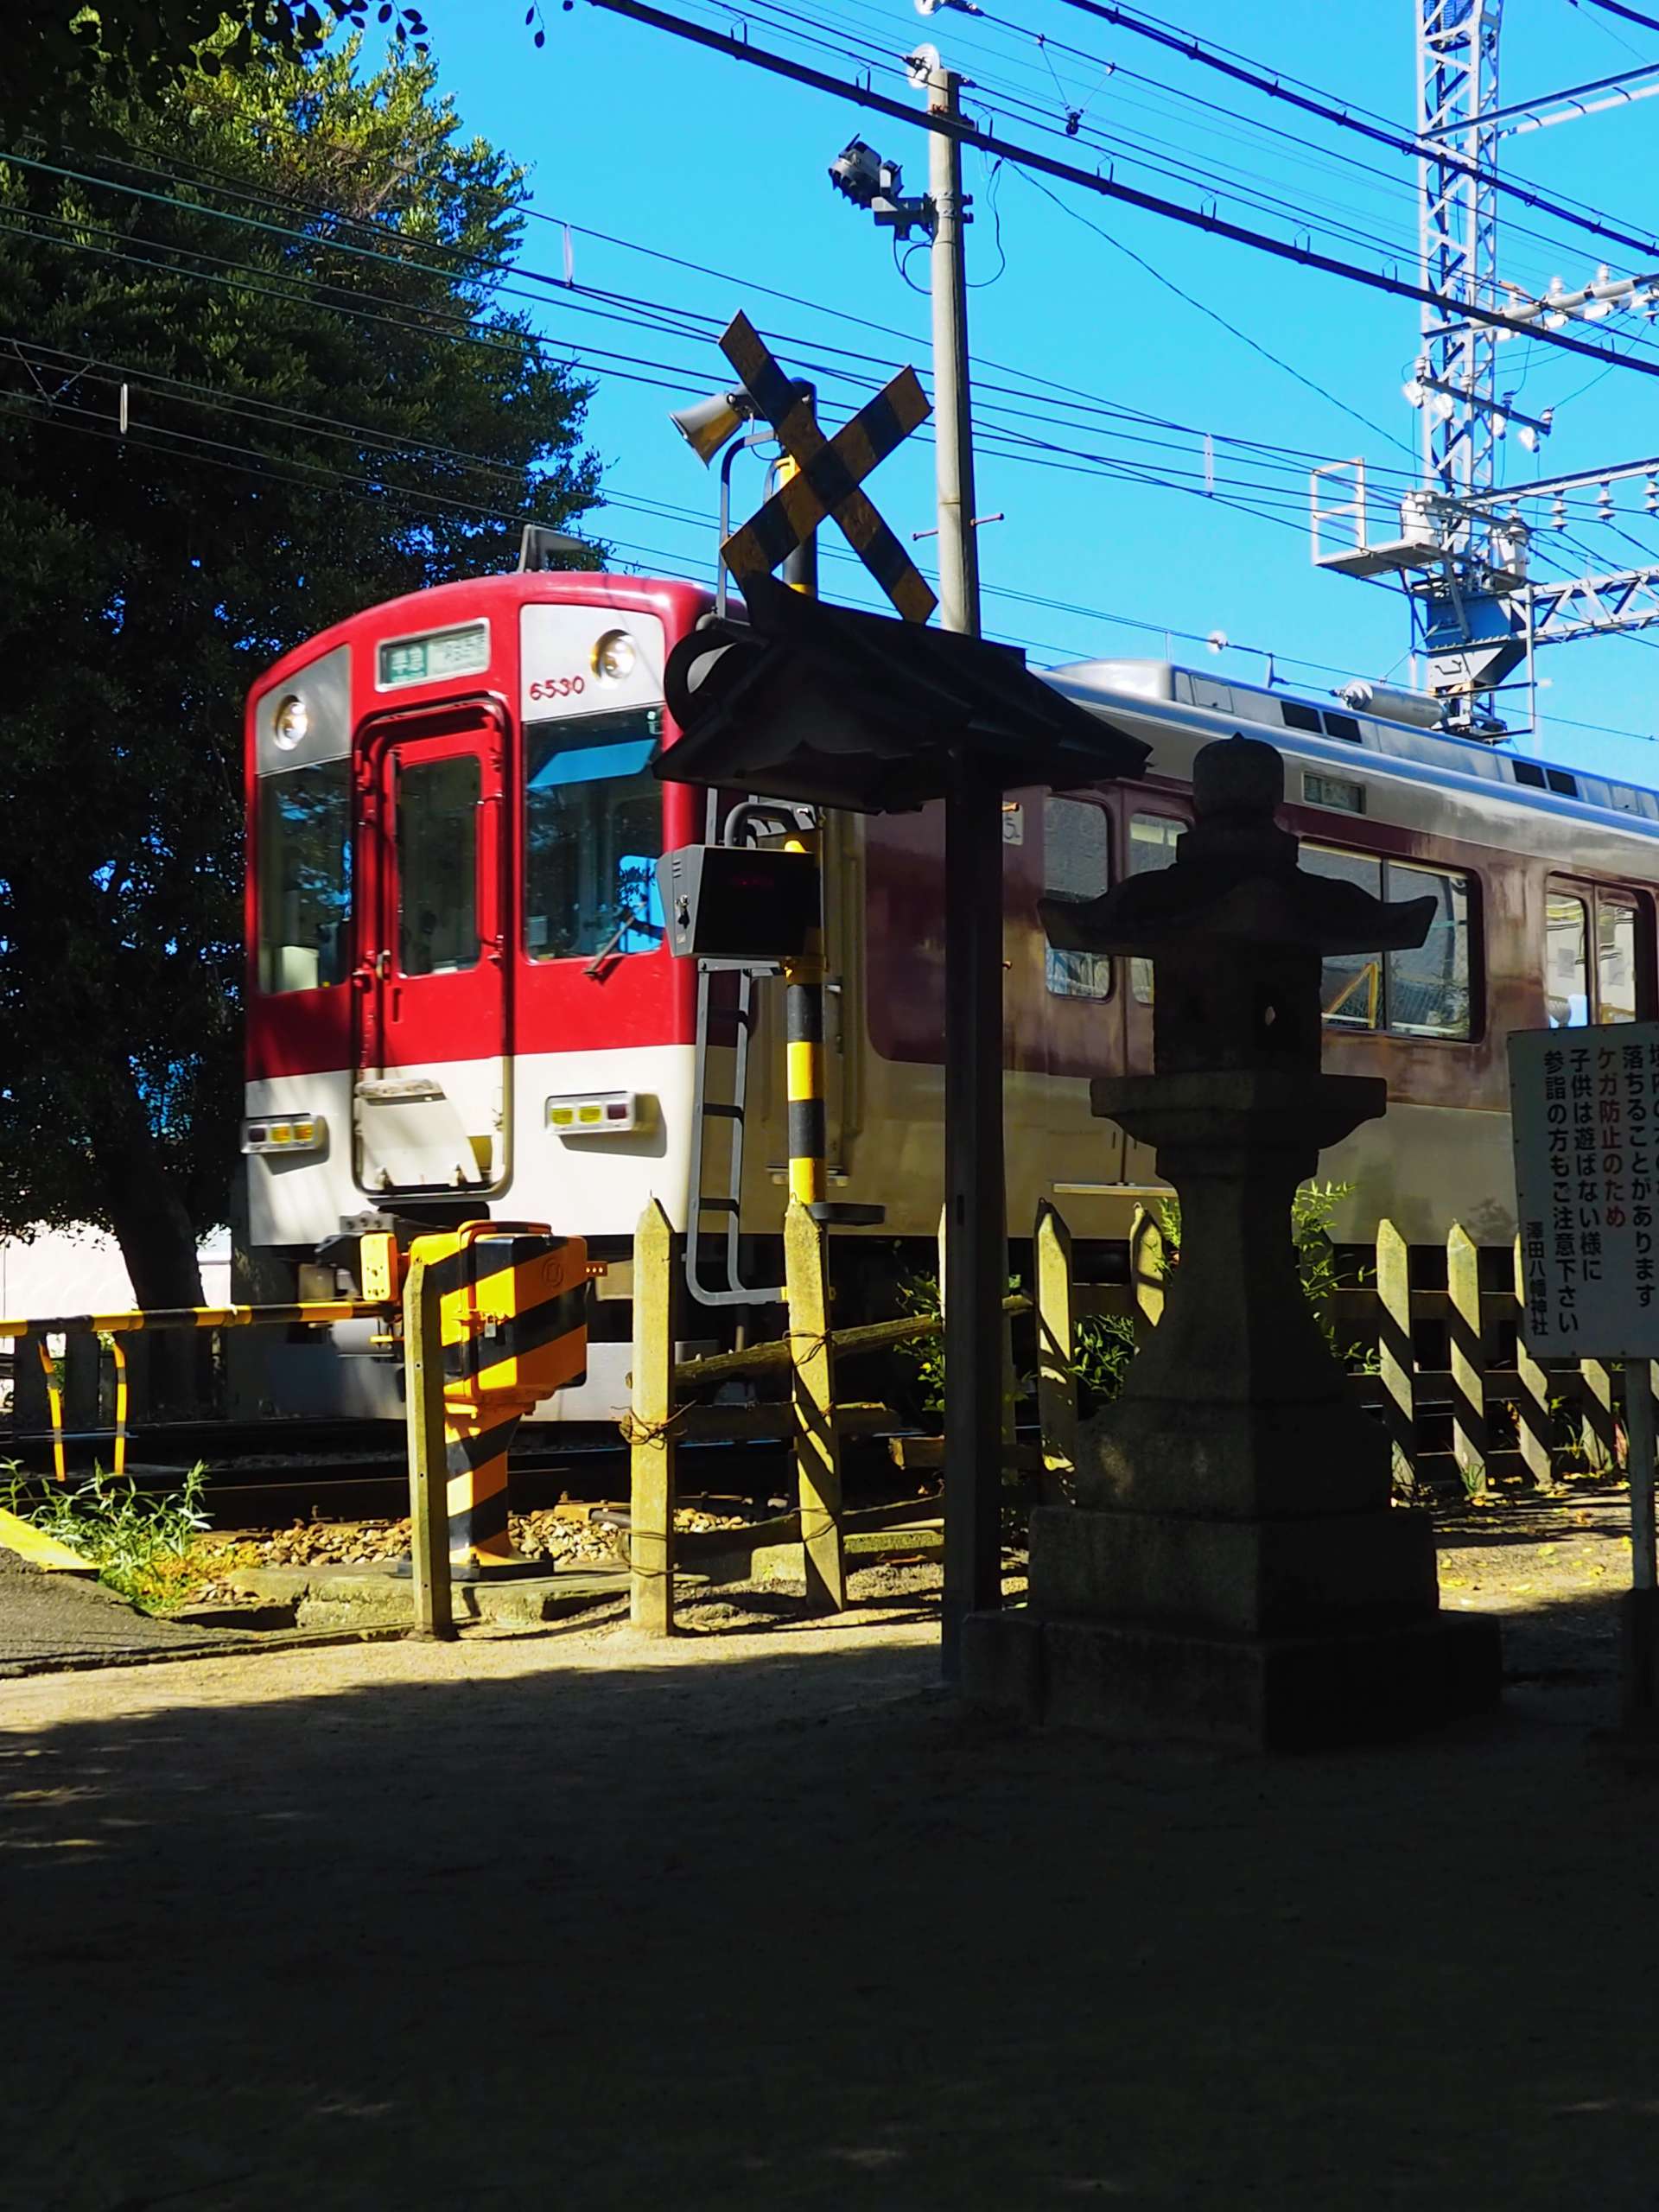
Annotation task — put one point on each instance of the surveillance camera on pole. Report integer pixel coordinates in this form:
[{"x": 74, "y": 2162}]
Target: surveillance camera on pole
[{"x": 859, "y": 173}]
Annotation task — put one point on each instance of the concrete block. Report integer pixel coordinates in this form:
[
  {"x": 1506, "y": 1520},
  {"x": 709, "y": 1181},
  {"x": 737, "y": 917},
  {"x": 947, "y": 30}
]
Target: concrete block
[
  {"x": 1257, "y": 1578},
  {"x": 1238, "y": 1692},
  {"x": 1002, "y": 1664}
]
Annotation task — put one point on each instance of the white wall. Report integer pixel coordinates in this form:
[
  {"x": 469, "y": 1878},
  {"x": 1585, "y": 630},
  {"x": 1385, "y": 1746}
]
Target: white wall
[{"x": 81, "y": 1271}]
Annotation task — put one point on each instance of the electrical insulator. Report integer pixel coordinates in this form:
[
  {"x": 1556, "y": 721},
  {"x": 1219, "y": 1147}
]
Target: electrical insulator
[
  {"x": 1604, "y": 503},
  {"x": 1651, "y": 496},
  {"x": 1558, "y": 518}
]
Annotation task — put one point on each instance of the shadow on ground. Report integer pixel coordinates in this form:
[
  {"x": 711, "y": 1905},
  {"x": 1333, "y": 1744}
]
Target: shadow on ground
[{"x": 763, "y": 1920}]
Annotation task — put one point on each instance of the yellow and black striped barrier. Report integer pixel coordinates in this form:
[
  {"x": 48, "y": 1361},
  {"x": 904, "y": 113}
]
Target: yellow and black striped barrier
[
  {"x": 513, "y": 1302},
  {"x": 134, "y": 1321}
]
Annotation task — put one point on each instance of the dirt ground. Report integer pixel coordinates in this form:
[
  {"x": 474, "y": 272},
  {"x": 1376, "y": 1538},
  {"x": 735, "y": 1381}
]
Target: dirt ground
[{"x": 759, "y": 1916}]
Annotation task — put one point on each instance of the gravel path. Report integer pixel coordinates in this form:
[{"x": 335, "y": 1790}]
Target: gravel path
[{"x": 755, "y": 1917}]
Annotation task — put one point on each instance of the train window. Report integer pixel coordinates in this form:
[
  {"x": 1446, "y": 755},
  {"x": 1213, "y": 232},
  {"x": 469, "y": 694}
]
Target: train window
[
  {"x": 1596, "y": 955},
  {"x": 1296, "y": 716},
  {"x": 1350, "y": 986},
  {"x": 593, "y": 836},
  {"x": 1345, "y": 726},
  {"x": 1526, "y": 773},
  {"x": 437, "y": 865},
  {"x": 1077, "y": 866},
  {"x": 1567, "y": 960},
  {"x": 1616, "y": 958},
  {"x": 1427, "y": 989},
  {"x": 305, "y": 876},
  {"x": 1423, "y": 992},
  {"x": 1152, "y": 846}
]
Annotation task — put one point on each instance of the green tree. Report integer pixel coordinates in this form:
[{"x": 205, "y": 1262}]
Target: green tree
[
  {"x": 308, "y": 430},
  {"x": 60, "y": 51}
]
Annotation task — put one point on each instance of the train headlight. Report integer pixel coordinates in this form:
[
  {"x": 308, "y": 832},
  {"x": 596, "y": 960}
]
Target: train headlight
[
  {"x": 614, "y": 656},
  {"x": 601, "y": 1113},
  {"x": 285, "y": 1133},
  {"x": 290, "y": 722}
]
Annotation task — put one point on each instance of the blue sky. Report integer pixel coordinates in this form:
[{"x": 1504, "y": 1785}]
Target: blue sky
[{"x": 640, "y": 138}]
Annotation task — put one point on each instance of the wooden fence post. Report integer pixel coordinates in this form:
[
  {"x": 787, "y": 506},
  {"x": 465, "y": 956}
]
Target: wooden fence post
[
  {"x": 1148, "y": 1264},
  {"x": 1396, "y": 1363},
  {"x": 1596, "y": 1431},
  {"x": 1468, "y": 1358},
  {"x": 650, "y": 1458},
  {"x": 1639, "y": 1687},
  {"x": 31, "y": 1409},
  {"x": 81, "y": 1358},
  {"x": 813, "y": 1399},
  {"x": 1057, "y": 1377},
  {"x": 428, "y": 1472},
  {"x": 1532, "y": 1417}
]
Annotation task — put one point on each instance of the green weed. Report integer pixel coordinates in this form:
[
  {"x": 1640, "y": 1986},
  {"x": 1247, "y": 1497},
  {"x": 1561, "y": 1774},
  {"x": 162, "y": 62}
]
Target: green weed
[{"x": 140, "y": 1543}]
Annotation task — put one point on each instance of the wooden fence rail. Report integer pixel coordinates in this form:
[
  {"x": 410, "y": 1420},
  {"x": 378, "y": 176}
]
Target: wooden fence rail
[{"x": 1430, "y": 1335}]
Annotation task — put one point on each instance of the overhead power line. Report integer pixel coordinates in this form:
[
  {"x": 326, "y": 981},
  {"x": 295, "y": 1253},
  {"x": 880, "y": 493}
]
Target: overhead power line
[
  {"x": 1192, "y": 49},
  {"x": 1631, "y": 15},
  {"x": 1050, "y": 392},
  {"x": 989, "y": 141},
  {"x": 1015, "y": 443},
  {"x": 1215, "y": 315}
]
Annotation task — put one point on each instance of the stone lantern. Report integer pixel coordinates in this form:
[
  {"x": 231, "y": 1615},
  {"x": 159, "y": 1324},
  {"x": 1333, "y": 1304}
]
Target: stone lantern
[{"x": 1233, "y": 1568}]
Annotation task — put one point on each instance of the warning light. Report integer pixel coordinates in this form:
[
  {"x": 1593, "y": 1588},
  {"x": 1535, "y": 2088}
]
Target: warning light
[
  {"x": 601, "y": 1113},
  {"x": 294, "y": 1133}
]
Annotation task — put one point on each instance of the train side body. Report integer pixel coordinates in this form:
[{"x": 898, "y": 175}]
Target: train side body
[{"x": 457, "y": 980}]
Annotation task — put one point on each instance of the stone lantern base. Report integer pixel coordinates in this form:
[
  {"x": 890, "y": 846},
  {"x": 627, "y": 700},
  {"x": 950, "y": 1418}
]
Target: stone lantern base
[{"x": 1232, "y": 1632}]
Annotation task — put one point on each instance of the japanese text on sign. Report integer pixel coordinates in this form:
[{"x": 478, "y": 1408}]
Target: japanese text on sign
[{"x": 1586, "y": 1107}]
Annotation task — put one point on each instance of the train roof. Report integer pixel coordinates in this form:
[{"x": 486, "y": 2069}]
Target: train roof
[{"x": 1548, "y": 783}]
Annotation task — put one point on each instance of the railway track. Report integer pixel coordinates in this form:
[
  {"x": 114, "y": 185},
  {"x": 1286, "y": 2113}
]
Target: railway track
[{"x": 264, "y": 1472}]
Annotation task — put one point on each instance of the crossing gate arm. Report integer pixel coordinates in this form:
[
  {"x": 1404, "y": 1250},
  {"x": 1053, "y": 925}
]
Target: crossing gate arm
[{"x": 315, "y": 1313}]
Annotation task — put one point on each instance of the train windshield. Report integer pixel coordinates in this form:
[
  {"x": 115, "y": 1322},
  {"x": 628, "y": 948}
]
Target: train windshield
[
  {"x": 593, "y": 836},
  {"x": 305, "y": 876}
]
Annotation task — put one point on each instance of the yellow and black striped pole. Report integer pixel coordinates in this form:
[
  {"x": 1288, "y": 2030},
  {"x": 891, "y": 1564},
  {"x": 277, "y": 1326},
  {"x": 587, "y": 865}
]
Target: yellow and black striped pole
[
  {"x": 512, "y": 1303},
  {"x": 475, "y": 1461},
  {"x": 804, "y": 1019}
]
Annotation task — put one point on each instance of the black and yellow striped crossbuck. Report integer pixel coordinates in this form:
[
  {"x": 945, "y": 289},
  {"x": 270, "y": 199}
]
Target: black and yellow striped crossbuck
[{"x": 831, "y": 471}]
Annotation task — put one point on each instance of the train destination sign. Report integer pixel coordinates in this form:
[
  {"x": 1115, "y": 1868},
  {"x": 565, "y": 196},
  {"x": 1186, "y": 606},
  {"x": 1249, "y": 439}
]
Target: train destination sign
[
  {"x": 1584, "y": 1104},
  {"x": 461, "y": 652}
]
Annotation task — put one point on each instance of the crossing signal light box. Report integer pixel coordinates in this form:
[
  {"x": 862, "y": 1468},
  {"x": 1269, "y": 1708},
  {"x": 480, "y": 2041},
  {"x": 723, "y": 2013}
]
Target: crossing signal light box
[{"x": 738, "y": 904}]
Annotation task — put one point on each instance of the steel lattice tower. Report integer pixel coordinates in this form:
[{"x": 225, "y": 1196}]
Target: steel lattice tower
[{"x": 1457, "y": 91}]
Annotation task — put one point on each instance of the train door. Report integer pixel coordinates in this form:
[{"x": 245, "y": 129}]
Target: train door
[
  {"x": 431, "y": 1100},
  {"x": 1598, "y": 954},
  {"x": 1151, "y": 826}
]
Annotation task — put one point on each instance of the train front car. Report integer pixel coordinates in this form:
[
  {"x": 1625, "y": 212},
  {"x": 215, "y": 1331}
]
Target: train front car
[{"x": 459, "y": 997}]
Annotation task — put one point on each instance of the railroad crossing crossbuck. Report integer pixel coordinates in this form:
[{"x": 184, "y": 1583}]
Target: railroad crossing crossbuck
[{"x": 831, "y": 471}]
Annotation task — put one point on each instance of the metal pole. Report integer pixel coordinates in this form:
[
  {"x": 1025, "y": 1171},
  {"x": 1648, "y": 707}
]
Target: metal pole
[
  {"x": 803, "y": 978},
  {"x": 800, "y": 570},
  {"x": 952, "y": 402},
  {"x": 975, "y": 1243},
  {"x": 1640, "y": 1689},
  {"x": 428, "y": 1458}
]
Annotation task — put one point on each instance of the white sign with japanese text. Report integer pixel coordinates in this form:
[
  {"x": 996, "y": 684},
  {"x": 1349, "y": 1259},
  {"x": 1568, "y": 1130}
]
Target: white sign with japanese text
[{"x": 1585, "y": 1109}]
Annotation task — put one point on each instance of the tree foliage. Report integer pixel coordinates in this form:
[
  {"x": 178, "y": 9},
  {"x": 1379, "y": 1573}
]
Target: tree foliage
[
  {"x": 60, "y": 51},
  {"x": 308, "y": 430}
]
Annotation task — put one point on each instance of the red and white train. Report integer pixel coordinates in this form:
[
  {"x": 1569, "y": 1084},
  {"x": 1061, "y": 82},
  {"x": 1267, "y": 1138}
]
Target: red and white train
[{"x": 458, "y": 998}]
